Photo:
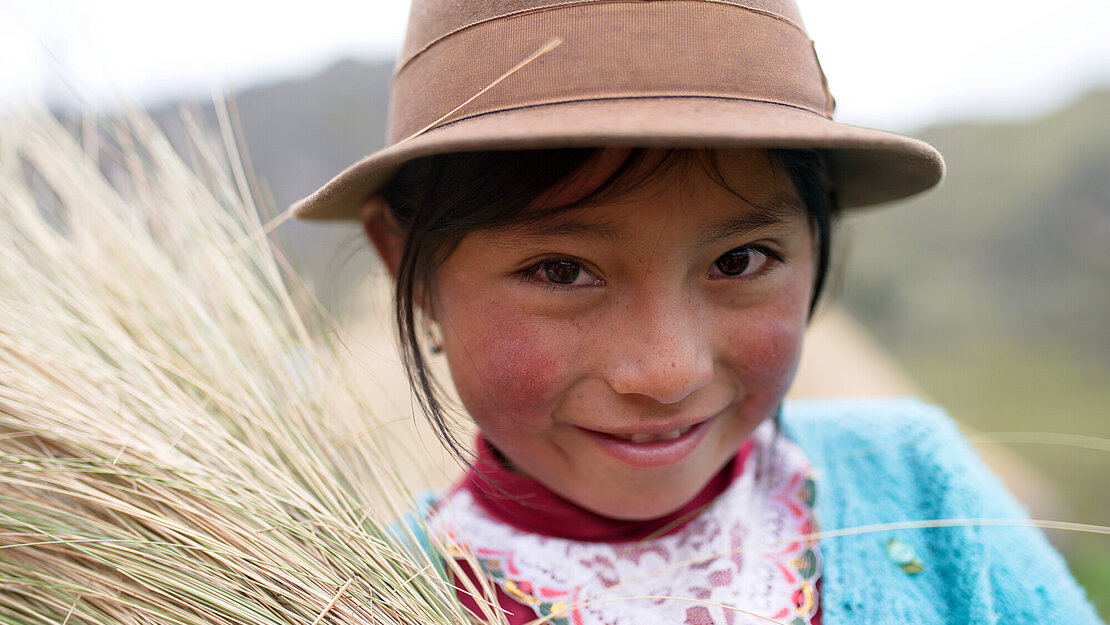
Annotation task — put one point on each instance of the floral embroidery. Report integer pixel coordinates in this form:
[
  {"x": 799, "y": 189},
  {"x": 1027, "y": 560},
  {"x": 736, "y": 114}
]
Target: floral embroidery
[
  {"x": 543, "y": 601},
  {"x": 747, "y": 557}
]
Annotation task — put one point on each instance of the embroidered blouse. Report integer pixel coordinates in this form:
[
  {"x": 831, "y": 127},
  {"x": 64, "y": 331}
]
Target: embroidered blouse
[{"x": 737, "y": 553}]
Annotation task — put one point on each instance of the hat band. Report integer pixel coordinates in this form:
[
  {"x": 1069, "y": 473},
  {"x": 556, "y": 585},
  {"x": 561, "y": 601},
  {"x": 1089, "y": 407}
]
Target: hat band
[{"x": 610, "y": 50}]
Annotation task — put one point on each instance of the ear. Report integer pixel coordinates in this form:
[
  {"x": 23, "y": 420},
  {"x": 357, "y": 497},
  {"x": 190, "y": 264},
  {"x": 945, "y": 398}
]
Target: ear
[{"x": 383, "y": 231}]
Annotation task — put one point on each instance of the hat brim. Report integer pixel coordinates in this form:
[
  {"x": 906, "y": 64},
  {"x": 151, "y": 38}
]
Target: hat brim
[{"x": 866, "y": 166}]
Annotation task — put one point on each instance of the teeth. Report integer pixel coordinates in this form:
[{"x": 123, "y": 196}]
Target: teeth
[
  {"x": 670, "y": 436},
  {"x": 651, "y": 438}
]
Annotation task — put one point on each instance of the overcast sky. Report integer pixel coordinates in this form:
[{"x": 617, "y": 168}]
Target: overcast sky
[{"x": 890, "y": 63}]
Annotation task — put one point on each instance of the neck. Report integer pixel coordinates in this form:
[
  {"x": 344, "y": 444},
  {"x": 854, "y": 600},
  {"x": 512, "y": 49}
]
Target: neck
[{"x": 524, "y": 503}]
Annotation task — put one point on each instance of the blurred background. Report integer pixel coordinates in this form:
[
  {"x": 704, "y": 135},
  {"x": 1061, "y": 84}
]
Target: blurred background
[{"x": 991, "y": 294}]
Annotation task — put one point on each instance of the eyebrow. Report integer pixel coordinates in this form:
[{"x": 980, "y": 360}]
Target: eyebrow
[
  {"x": 746, "y": 223},
  {"x": 562, "y": 224}
]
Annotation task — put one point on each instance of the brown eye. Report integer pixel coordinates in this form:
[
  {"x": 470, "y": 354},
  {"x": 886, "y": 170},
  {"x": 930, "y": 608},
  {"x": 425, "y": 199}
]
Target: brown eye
[
  {"x": 734, "y": 262},
  {"x": 742, "y": 262},
  {"x": 561, "y": 271}
]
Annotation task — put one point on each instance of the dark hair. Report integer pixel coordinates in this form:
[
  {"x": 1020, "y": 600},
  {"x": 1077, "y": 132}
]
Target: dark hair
[{"x": 437, "y": 200}]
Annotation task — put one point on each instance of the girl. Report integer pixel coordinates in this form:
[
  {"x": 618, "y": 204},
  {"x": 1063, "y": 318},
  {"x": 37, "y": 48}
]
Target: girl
[{"x": 613, "y": 218}]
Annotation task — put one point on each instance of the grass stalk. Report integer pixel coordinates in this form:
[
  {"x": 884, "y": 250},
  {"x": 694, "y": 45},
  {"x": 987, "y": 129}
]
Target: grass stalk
[{"x": 170, "y": 451}]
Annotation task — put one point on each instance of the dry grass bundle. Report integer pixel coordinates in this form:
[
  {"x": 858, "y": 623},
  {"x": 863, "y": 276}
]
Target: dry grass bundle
[{"x": 166, "y": 453}]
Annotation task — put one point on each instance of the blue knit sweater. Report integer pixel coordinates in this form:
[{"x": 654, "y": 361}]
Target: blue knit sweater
[{"x": 890, "y": 461}]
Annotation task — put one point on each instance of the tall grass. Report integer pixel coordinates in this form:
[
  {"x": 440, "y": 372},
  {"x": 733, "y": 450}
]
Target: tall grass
[{"x": 168, "y": 453}]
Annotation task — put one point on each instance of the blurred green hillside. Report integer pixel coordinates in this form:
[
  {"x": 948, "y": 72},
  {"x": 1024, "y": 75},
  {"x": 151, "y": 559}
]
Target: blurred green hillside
[
  {"x": 994, "y": 291},
  {"x": 1015, "y": 246}
]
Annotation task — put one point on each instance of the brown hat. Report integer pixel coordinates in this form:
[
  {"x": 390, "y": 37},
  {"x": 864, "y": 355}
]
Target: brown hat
[{"x": 522, "y": 74}]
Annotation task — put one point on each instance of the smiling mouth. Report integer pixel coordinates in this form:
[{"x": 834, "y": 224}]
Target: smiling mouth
[
  {"x": 651, "y": 450},
  {"x": 639, "y": 438}
]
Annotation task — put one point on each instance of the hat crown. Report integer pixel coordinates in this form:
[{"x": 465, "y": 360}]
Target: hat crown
[
  {"x": 431, "y": 20},
  {"x": 468, "y": 59}
]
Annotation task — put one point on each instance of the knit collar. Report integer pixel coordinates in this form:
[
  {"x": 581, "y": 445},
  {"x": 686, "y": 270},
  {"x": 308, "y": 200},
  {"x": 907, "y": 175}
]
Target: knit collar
[{"x": 522, "y": 502}]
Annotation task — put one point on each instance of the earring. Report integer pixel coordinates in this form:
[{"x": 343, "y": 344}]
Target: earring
[{"x": 435, "y": 339}]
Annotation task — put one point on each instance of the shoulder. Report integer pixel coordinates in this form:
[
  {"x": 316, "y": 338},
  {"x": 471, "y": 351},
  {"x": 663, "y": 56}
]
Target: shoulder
[
  {"x": 909, "y": 451},
  {"x": 886, "y": 465},
  {"x": 410, "y": 532},
  {"x": 868, "y": 417},
  {"x": 899, "y": 429}
]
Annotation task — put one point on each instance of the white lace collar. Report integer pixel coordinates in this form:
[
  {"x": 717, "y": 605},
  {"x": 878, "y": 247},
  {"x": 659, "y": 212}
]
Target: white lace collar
[{"x": 737, "y": 562}]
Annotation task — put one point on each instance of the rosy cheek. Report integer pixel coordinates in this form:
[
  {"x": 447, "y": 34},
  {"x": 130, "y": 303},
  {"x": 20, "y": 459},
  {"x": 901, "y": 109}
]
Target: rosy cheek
[
  {"x": 765, "y": 355},
  {"x": 509, "y": 376}
]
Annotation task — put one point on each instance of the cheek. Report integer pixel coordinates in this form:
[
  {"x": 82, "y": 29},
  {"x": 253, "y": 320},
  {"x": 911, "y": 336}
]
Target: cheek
[
  {"x": 507, "y": 371},
  {"x": 763, "y": 350}
]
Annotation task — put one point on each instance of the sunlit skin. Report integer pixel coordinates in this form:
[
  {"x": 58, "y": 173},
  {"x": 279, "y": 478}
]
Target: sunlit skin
[{"x": 675, "y": 304}]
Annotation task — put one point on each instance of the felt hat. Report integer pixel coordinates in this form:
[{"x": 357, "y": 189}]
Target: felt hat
[{"x": 479, "y": 75}]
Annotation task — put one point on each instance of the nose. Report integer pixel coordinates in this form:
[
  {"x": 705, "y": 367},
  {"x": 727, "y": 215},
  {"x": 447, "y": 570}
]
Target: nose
[{"x": 664, "y": 351}]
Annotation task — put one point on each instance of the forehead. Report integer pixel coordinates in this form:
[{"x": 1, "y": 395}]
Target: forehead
[
  {"x": 747, "y": 180},
  {"x": 755, "y": 177},
  {"x": 718, "y": 194}
]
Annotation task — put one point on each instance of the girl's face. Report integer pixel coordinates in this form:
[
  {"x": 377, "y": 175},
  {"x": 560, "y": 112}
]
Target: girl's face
[{"x": 621, "y": 352}]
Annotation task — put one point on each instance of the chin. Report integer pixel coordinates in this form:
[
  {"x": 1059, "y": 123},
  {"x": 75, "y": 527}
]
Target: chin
[{"x": 648, "y": 508}]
